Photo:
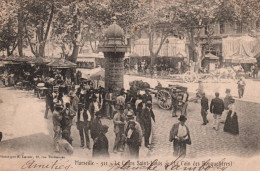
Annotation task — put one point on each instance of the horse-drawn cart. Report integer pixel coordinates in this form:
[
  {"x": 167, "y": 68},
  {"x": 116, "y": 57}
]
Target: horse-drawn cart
[{"x": 169, "y": 95}]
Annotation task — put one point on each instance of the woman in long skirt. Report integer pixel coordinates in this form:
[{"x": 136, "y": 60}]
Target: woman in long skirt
[{"x": 231, "y": 123}]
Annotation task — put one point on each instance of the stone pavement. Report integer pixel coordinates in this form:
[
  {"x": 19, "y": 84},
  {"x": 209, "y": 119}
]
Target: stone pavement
[
  {"x": 25, "y": 130},
  {"x": 206, "y": 142}
]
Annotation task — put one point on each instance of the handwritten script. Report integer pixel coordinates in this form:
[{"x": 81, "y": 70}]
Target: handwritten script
[
  {"x": 177, "y": 164},
  {"x": 56, "y": 165}
]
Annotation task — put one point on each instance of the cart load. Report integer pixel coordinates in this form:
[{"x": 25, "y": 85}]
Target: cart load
[
  {"x": 139, "y": 85},
  {"x": 169, "y": 95}
]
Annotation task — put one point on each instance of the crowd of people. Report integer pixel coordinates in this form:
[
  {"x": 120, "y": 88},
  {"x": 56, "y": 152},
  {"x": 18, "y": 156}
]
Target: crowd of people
[
  {"x": 132, "y": 116},
  {"x": 130, "y": 111},
  {"x": 159, "y": 69}
]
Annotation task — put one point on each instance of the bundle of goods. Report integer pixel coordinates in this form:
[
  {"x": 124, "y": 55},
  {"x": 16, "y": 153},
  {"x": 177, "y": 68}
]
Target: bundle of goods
[{"x": 139, "y": 85}]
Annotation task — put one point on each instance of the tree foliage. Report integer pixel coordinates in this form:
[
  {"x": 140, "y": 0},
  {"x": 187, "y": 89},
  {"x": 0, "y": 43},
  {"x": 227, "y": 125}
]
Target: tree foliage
[
  {"x": 8, "y": 26},
  {"x": 37, "y": 23}
]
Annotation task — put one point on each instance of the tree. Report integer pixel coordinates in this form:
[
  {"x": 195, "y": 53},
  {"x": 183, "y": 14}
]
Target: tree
[
  {"x": 192, "y": 16},
  {"x": 8, "y": 27},
  {"x": 20, "y": 18},
  {"x": 76, "y": 22},
  {"x": 39, "y": 15},
  {"x": 158, "y": 22}
]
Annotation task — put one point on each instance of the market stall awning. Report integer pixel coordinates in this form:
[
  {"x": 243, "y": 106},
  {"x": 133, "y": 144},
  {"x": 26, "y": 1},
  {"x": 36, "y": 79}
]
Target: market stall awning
[
  {"x": 17, "y": 59},
  {"x": 40, "y": 61},
  {"x": 211, "y": 56},
  {"x": 61, "y": 63},
  {"x": 249, "y": 60}
]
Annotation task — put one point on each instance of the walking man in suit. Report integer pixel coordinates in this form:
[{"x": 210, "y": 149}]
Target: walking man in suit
[
  {"x": 216, "y": 107},
  {"x": 146, "y": 122},
  {"x": 204, "y": 108}
]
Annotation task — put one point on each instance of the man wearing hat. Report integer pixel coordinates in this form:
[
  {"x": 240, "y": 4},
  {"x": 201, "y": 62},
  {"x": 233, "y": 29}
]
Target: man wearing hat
[
  {"x": 96, "y": 126},
  {"x": 56, "y": 119},
  {"x": 180, "y": 136},
  {"x": 81, "y": 102},
  {"x": 100, "y": 146},
  {"x": 147, "y": 96},
  {"x": 128, "y": 96},
  {"x": 132, "y": 140},
  {"x": 49, "y": 103},
  {"x": 128, "y": 108},
  {"x": 216, "y": 107},
  {"x": 120, "y": 100},
  {"x": 227, "y": 101},
  {"x": 130, "y": 117},
  {"x": 185, "y": 101},
  {"x": 204, "y": 108},
  {"x": 140, "y": 105},
  {"x": 109, "y": 98},
  {"x": 241, "y": 87},
  {"x": 146, "y": 122},
  {"x": 119, "y": 129}
]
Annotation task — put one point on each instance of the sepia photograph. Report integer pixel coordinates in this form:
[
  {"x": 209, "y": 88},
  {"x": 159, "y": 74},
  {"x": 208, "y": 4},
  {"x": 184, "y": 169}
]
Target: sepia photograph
[{"x": 110, "y": 85}]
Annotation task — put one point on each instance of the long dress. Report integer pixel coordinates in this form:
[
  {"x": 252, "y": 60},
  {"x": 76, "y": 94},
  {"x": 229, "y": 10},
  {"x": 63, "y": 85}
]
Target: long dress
[{"x": 231, "y": 123}]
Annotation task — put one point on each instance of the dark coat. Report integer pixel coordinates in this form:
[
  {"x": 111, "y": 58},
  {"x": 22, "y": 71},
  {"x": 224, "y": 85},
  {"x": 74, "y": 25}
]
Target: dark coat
[
  {"x": 133, "y": 143},
  {"x": 227, "y": 101},
  {"x": 66, "y": 120},
  {"x": 147, "y": 97},
  {"x": 204, "y": 103},
  {"x": 146, "y": 117},
  {"x": 174, "y": 133},
  {"x": 49, "y": 99},
  {"x": 217, "y": 106},
  {"x": 86, "y": 122},
  {"x": 100, "y": 147},
  {"x": 95, "y": 128}
]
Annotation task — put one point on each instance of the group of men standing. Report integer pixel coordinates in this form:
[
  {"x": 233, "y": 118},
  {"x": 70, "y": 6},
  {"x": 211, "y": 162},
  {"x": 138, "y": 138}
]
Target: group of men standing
[{"x": 131, "y": 116}]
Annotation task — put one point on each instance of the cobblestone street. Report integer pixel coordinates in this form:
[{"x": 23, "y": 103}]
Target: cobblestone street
[
  {"x": 205, "y": 140},
  {"x": 24, "y": 130}
]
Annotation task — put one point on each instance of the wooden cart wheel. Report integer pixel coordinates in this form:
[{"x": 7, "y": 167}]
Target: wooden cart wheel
[
  {"x": 190, "y": 77},
  {"x": 164, "y": 99}
]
